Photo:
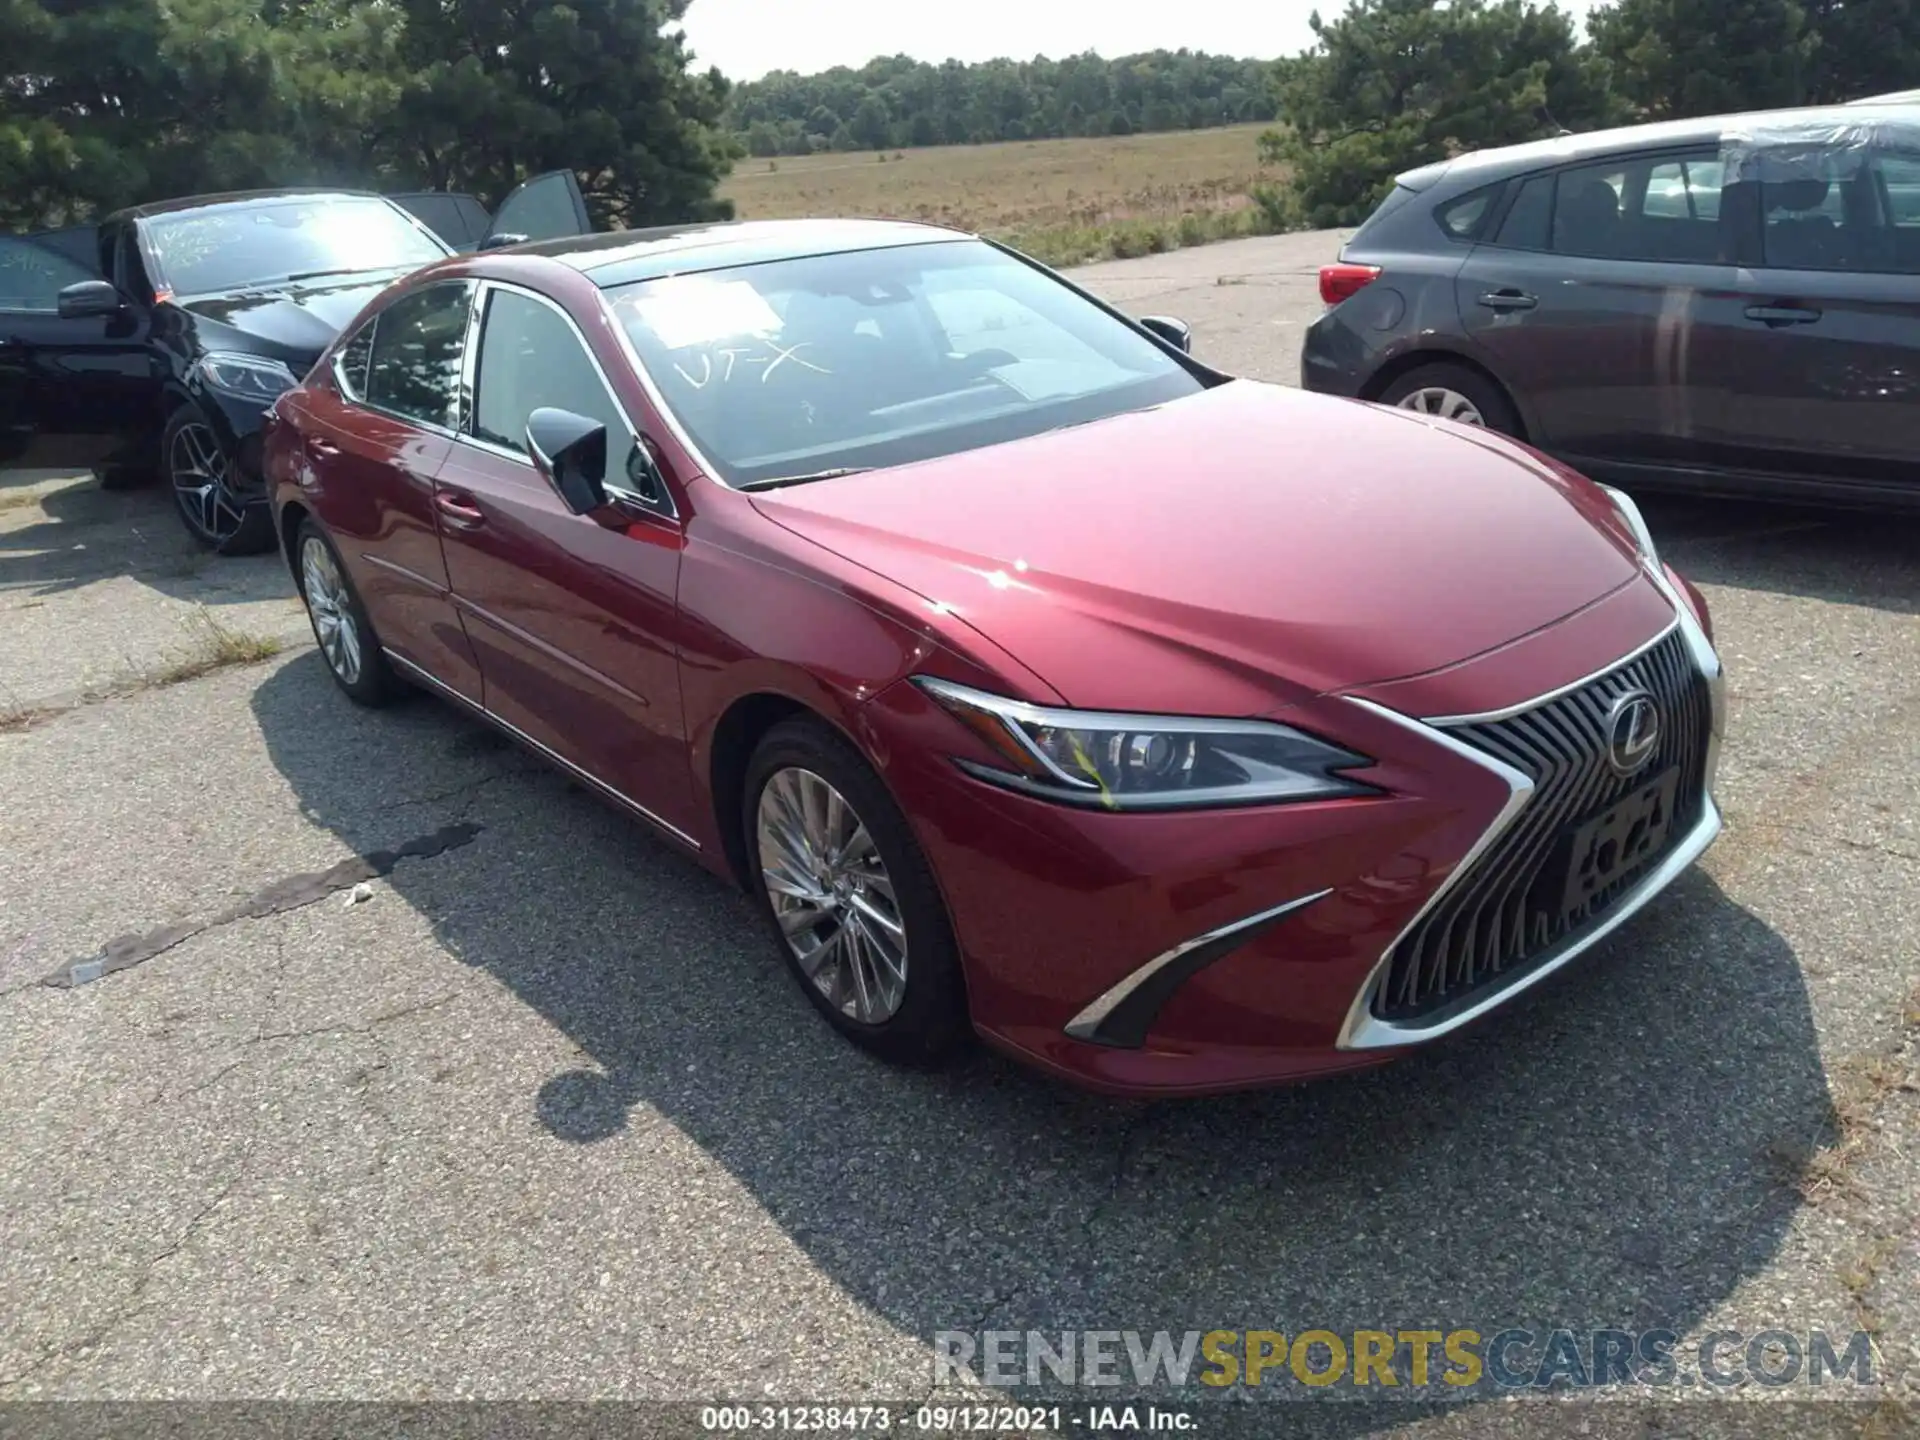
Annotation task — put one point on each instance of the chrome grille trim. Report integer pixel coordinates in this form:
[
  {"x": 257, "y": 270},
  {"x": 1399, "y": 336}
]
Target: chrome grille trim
[{"x": 1688, "y": 659}]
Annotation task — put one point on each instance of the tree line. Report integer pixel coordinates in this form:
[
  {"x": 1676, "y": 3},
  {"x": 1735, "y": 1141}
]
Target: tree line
[
  {"x": 106, "y": 103},
  {"x": 1390, "y": 85},
  {"x": 897, "y": 101}
]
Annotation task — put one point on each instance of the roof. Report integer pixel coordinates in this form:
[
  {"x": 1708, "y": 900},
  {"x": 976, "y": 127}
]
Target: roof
[
  {"x": 1571, "y": 149},
  {"x": 233, "y": 199},
  {"x": 627, "y": 256}
]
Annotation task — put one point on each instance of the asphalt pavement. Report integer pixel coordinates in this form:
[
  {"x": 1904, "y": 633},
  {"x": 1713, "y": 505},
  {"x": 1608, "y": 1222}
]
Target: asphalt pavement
[{"x": 542, "y": 1116}]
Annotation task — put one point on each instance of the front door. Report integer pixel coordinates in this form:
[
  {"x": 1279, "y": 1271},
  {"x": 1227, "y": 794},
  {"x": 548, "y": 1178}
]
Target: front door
[
  {"x": 378, "y": 443},
  {"x": 573, "y": 620},
  {"x": 71, "y": 390},
  {"x": 1588, "y": 299},
  {"x": 1825, "y": 384},
  {"x": 547, "y": 207}
]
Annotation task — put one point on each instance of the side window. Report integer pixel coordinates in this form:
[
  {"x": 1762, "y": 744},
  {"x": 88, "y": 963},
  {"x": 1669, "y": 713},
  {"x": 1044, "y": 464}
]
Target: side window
[
  {"x": 351, "y": 364},
  {"x": 418, "y": 344},
  {"x": 1820, "y": 210},
  {"x": 1529, "y": 221},
  {"x": 531, "y": 357},
  {"x": 1586, "y": 211},
  {"x": 1898, "y": 180},
  {"x": 1662, "y": 208},
  {"x": 1462, "y": 218},
  {"x": 32, "y": 276}
]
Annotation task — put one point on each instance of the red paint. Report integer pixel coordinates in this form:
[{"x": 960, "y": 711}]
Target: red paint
[{"x": 1246, "y": 551}]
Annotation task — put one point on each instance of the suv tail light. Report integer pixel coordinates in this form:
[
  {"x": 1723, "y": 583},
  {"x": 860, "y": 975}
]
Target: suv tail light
[{"x": 1337, "y": 282}]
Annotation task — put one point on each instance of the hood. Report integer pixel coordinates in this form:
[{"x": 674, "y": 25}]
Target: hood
[
  {"x": 1234, "y": 551},
  {"x": 291, "y": 321}
]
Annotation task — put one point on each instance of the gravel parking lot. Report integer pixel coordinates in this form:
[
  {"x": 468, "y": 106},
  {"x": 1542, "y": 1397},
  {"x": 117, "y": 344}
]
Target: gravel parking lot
[{"x": 543, "y": 1117}]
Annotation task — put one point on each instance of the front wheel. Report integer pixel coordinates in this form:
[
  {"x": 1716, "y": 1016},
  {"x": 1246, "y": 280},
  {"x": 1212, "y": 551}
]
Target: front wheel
[
  {"x": 850, "y": 897},
  {"x": 215, "y": 505},
  {"x": 1453, "y": 392}
]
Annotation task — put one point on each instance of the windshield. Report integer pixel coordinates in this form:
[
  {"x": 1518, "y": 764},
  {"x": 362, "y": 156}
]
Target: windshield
[
  {"x": 209, "y": 251},
  {"x": 882, "y": 357}
]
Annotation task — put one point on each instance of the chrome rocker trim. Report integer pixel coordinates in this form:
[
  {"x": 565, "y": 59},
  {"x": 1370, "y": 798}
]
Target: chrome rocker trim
[
  {"x": 1122, "y": 1016},
  {"x": 1362, "y": 1029},
  {"x": 625, "y": 801}
]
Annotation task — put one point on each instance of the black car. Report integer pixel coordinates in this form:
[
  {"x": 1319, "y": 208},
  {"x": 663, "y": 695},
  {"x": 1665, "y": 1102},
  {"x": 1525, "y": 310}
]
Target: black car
[
  {"x": 1730, "y": 305},
  {"x": 163, "y": 354}
]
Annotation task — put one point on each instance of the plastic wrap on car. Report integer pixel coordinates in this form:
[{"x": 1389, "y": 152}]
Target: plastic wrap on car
[{"x": 1785, "y": 148}]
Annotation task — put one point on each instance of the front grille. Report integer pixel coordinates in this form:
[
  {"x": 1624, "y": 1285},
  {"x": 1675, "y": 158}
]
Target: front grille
[{"x": 1510, "y": 908}]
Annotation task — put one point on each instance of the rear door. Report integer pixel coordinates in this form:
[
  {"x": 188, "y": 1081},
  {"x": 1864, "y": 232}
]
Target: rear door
[
  {"x": 573, "y": 619},
  {"x": 70, "y": 390},
  {"x": 375, "y": 438},
  {"x": 1825, "y": 383},
  {"x": 547, "y": 207},
  {"x": 1589, "y": 296}
]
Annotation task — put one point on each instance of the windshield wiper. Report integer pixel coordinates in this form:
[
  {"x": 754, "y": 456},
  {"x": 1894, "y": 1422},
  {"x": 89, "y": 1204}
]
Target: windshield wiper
[
  {"x": 342, "y": 270},
  {"x": 777, "y": 481}
]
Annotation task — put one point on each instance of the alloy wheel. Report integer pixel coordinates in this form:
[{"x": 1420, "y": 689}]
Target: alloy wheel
[
  {"x": 332, "y": 611},
  {"x": 1447, "y": 404},
  {"x": 832, "y": 896},
  {"x": 199, "y": 469}
]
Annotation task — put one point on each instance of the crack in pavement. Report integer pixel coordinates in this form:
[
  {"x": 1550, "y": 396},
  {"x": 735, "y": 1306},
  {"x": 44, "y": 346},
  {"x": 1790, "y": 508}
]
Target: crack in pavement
[
  {"x": 292, "y": 893},
  {"x": 130, "y": 1307}
]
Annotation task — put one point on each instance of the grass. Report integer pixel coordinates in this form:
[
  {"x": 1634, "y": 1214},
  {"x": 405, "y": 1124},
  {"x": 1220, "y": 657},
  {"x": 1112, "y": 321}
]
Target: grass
[
  {"x": 1061, "y": 201},
  {"x": 221, "y": 647}
]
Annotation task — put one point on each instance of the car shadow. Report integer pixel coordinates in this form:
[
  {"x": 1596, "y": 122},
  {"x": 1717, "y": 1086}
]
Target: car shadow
[
  {"x": 1844, "y": 557},
  {"x": 1605, "y": 1152},
  {"x": 76, "y": 534}
]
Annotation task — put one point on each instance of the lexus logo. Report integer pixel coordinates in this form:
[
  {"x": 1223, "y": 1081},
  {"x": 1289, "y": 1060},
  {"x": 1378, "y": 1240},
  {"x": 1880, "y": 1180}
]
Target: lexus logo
[{"x": 1633, "y": 731}]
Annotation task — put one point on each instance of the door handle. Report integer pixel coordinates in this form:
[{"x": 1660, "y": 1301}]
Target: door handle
[
  {"x": 1508, "y": 300},
  {"x": 1778, "y": 315},
  {"x": 458, "y": 510}
]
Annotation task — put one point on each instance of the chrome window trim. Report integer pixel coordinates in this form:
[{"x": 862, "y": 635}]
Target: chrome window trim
[
  {"x": 1086, "y": 1025},
  {"x": 1362, "y": 1029},
  {"x": 625, "y": 800},
  {"x": 470, "y": 380}
]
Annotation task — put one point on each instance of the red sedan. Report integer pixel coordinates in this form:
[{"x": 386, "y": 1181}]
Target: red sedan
[{"x": 1174, "y": 732}]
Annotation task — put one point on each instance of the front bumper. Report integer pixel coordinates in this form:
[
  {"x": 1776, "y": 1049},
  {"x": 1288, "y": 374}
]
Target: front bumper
[{"x": 1259, "y": 936}]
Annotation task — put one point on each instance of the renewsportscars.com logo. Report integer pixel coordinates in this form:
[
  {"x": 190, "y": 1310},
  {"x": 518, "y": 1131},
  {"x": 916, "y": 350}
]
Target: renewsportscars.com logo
[{"x": 1430, "y": 1360}]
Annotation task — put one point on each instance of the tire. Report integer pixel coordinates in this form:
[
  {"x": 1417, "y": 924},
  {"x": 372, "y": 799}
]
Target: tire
[
  {"x": 348, "y": 645},
  {"x": 926, "y": 1023},
  {"x": 129, "y": 476},
  {"x": 1422, "y": 389},
  {"x": 198, "y": 470}
]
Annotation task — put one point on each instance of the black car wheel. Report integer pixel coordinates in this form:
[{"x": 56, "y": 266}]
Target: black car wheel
[
  {"x": 850, "y": 898},
  {"x": 1453, "y": 392},
  {"x": 216, "y": 509},
  {"x": 340, "y": 625}
]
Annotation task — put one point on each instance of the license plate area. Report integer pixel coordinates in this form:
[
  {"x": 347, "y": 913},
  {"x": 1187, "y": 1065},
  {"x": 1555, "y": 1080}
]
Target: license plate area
[{"x": 1617, "y": 841}]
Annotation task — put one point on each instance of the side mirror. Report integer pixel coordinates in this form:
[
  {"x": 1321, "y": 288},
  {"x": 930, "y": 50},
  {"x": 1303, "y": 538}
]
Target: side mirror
[
  {"x": 500, "y": 242},
  {"x": 571, "y": 451},
  {"x": 89, "y": 297},
  {"x": 1175, "y": 332}
]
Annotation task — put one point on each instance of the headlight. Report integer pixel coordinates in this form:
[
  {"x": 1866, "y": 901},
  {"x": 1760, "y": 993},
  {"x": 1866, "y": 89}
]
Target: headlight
[
  {"x": 1145, "y": 762},
  {"x": 251, "y": 377},
  {"x": 1636, "y": 522}
]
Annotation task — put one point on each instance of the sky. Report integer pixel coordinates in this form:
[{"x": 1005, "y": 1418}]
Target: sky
[{"x": 747, "y": 38}]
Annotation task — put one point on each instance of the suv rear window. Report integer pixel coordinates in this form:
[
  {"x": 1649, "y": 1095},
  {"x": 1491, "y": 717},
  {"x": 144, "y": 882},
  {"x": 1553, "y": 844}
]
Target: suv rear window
[{"x": 1462, "y": 217}]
